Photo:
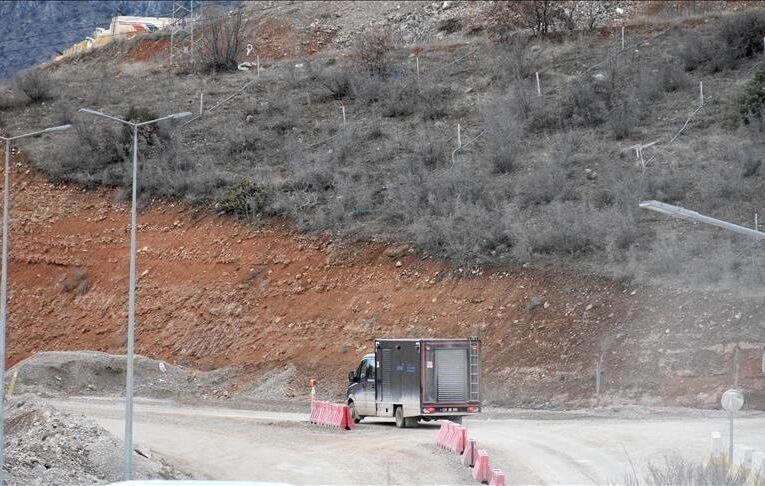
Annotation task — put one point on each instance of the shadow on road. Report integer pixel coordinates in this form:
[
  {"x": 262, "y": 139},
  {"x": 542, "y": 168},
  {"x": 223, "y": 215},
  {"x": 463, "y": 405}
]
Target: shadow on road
[{"x": 391, "y": 423}]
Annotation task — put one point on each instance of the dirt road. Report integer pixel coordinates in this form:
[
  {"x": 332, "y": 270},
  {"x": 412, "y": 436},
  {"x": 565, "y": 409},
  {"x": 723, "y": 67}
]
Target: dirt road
[{"x": 224, "y": 443}]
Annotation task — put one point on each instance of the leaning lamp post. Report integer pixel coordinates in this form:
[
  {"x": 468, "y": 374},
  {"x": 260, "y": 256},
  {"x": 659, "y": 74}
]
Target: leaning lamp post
[
  {"x": 4, "y": 279},
  {"x": 732, "y": 400},
  {"x": 128, "y": 458}
]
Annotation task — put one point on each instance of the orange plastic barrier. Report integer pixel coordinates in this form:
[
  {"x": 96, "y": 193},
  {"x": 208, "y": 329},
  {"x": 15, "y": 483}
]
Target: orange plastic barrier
[{"x": 331, "y": 415}]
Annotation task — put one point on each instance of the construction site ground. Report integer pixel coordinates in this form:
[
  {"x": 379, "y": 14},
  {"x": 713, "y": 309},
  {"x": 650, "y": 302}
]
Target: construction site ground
[{"x": 598, "y": 447}]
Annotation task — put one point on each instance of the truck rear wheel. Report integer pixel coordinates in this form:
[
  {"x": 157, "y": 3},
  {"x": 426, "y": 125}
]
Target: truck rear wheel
[{"x": 400, "y": 421}]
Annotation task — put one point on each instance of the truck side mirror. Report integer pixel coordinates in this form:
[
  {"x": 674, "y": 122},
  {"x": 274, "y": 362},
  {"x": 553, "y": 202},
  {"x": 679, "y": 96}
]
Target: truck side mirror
[{"x": 351, "y": 377}]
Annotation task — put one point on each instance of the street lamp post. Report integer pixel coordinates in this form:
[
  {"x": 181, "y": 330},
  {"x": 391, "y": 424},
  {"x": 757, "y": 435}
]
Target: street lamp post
[
  {"x": 732, "y": 400},
  {"x": 4, "y": 277},
  {"x": 128, "y": 459}
]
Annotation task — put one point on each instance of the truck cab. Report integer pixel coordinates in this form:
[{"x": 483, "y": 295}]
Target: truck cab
[
  {"x": 361, "y": 389},
  {"x": 417, "y": 379}
]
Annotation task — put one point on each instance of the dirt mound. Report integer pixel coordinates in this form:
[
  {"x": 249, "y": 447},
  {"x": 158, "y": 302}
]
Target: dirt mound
[
  {"x": 277, "y": 384},
  {"x": 47, "y": 447},
  {"x": 83, "y": 373}
]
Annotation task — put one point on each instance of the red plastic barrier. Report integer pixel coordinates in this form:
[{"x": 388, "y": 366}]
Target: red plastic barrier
[
  {"x": 460, "y": 439},
  {"x": 331, "y": 415},
  {"x": 452, "y": 437},
  {"x": 469, "y": 456},
  {"x": 443, "y": 439},
  {"x": 497, "y": 478},
  {"x": 482, "y": 470}
]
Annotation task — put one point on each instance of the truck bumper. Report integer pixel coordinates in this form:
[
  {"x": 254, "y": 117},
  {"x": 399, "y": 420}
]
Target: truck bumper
[{"x": 449, "y": 410}]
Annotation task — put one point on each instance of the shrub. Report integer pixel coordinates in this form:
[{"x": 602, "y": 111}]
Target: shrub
[
  {"x": 502, "y": 139},
  {"x": 624, "y": 118},
  {"x": 401, "y": 100},
  {"x": 221, "y": 41},
  {"x": 563, "y": 229},
  {"x": 741, "y": 34},
  {"x": 695, "y": 52},
  {"x": 750, "y": 160},
  {"x": 243, "y": 140},
  {"x": 35, "y": 84},
  {"x": 542, "y": 184},
  {"x": 668, "y": 188},
  {"x": 244, "y": 198},
  {"x": 151, "y": 138},
  {"x": 368, "y": 89},
  {"x": 373, "y": 53},
  {"x": 431, "y": 100},
  {"x": 738, "y": 37},
  {"x": 751, "y": 103},
  {"x": 433, "y": 155},
  {"x": 338, "y": 81},
  {"x": 584, "y": 105},
  {"x": 450, "y": 26},
  {"x": 672, "y": 78}
]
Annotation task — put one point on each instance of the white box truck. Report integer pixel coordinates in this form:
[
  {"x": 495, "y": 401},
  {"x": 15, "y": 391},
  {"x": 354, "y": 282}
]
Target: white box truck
[{"x": 417, "y": 379}]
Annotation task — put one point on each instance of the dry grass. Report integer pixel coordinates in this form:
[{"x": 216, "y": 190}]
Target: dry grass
[{"x": 675, "y": 471}]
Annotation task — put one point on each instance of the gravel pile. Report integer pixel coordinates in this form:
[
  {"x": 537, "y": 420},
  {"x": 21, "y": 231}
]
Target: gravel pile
[
  {"x": 44, "y": 446},
  {"x": 86, "y": 373}
]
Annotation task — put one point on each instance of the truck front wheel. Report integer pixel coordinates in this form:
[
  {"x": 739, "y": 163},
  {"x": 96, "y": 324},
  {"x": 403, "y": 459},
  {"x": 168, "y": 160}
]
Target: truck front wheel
[
  {"x": 356, "y": 417},
  {"x": 400, "y": 421}
]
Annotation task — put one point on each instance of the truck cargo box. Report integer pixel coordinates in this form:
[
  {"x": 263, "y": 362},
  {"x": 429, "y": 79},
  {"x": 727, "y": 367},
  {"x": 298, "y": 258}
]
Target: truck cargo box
[{"x": 424, "y": 378}]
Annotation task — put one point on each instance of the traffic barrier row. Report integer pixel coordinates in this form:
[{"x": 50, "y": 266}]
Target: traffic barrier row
[
  {"x": 757, "y": 471},
  {"x": 454, "y": 437},
  {"x": 331, "y": 415},
  {"x": 746, "y": 462},
  {"x": 742, "y": 460},
  {"x": 717, "y": 453}
]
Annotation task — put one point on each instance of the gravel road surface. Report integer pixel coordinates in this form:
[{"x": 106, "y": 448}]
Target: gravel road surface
[{"x": 224, "y": 443}]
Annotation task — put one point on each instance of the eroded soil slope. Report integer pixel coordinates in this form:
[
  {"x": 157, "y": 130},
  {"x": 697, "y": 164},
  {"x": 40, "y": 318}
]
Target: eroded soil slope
[{"x": 215, "y": 292}]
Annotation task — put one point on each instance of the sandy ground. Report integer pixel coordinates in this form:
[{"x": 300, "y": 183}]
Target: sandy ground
[{"x": 223, "y": 443}]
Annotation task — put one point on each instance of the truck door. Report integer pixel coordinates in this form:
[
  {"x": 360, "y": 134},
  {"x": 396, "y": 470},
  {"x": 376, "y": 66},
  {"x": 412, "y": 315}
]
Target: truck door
[{"x": 366, "y": 395}]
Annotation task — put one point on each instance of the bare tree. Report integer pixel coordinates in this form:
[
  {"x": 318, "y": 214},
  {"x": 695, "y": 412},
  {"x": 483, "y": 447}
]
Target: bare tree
[
  {"x": 593, "y": 13},
  {"x": 373, "y": 53},
  {"x": 222, "y": 41},
  {"x": 539, "y": 15}
]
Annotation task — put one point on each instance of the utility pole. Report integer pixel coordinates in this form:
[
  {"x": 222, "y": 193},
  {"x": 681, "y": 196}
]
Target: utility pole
[
  {"x": 182, "y": 33},
  {"x": 4, "y": 279},
  {"x": 128, "y": 458}
]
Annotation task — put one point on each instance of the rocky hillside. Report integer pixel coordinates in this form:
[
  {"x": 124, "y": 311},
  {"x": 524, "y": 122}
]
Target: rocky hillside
[{"x": 278, "y": 237}]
